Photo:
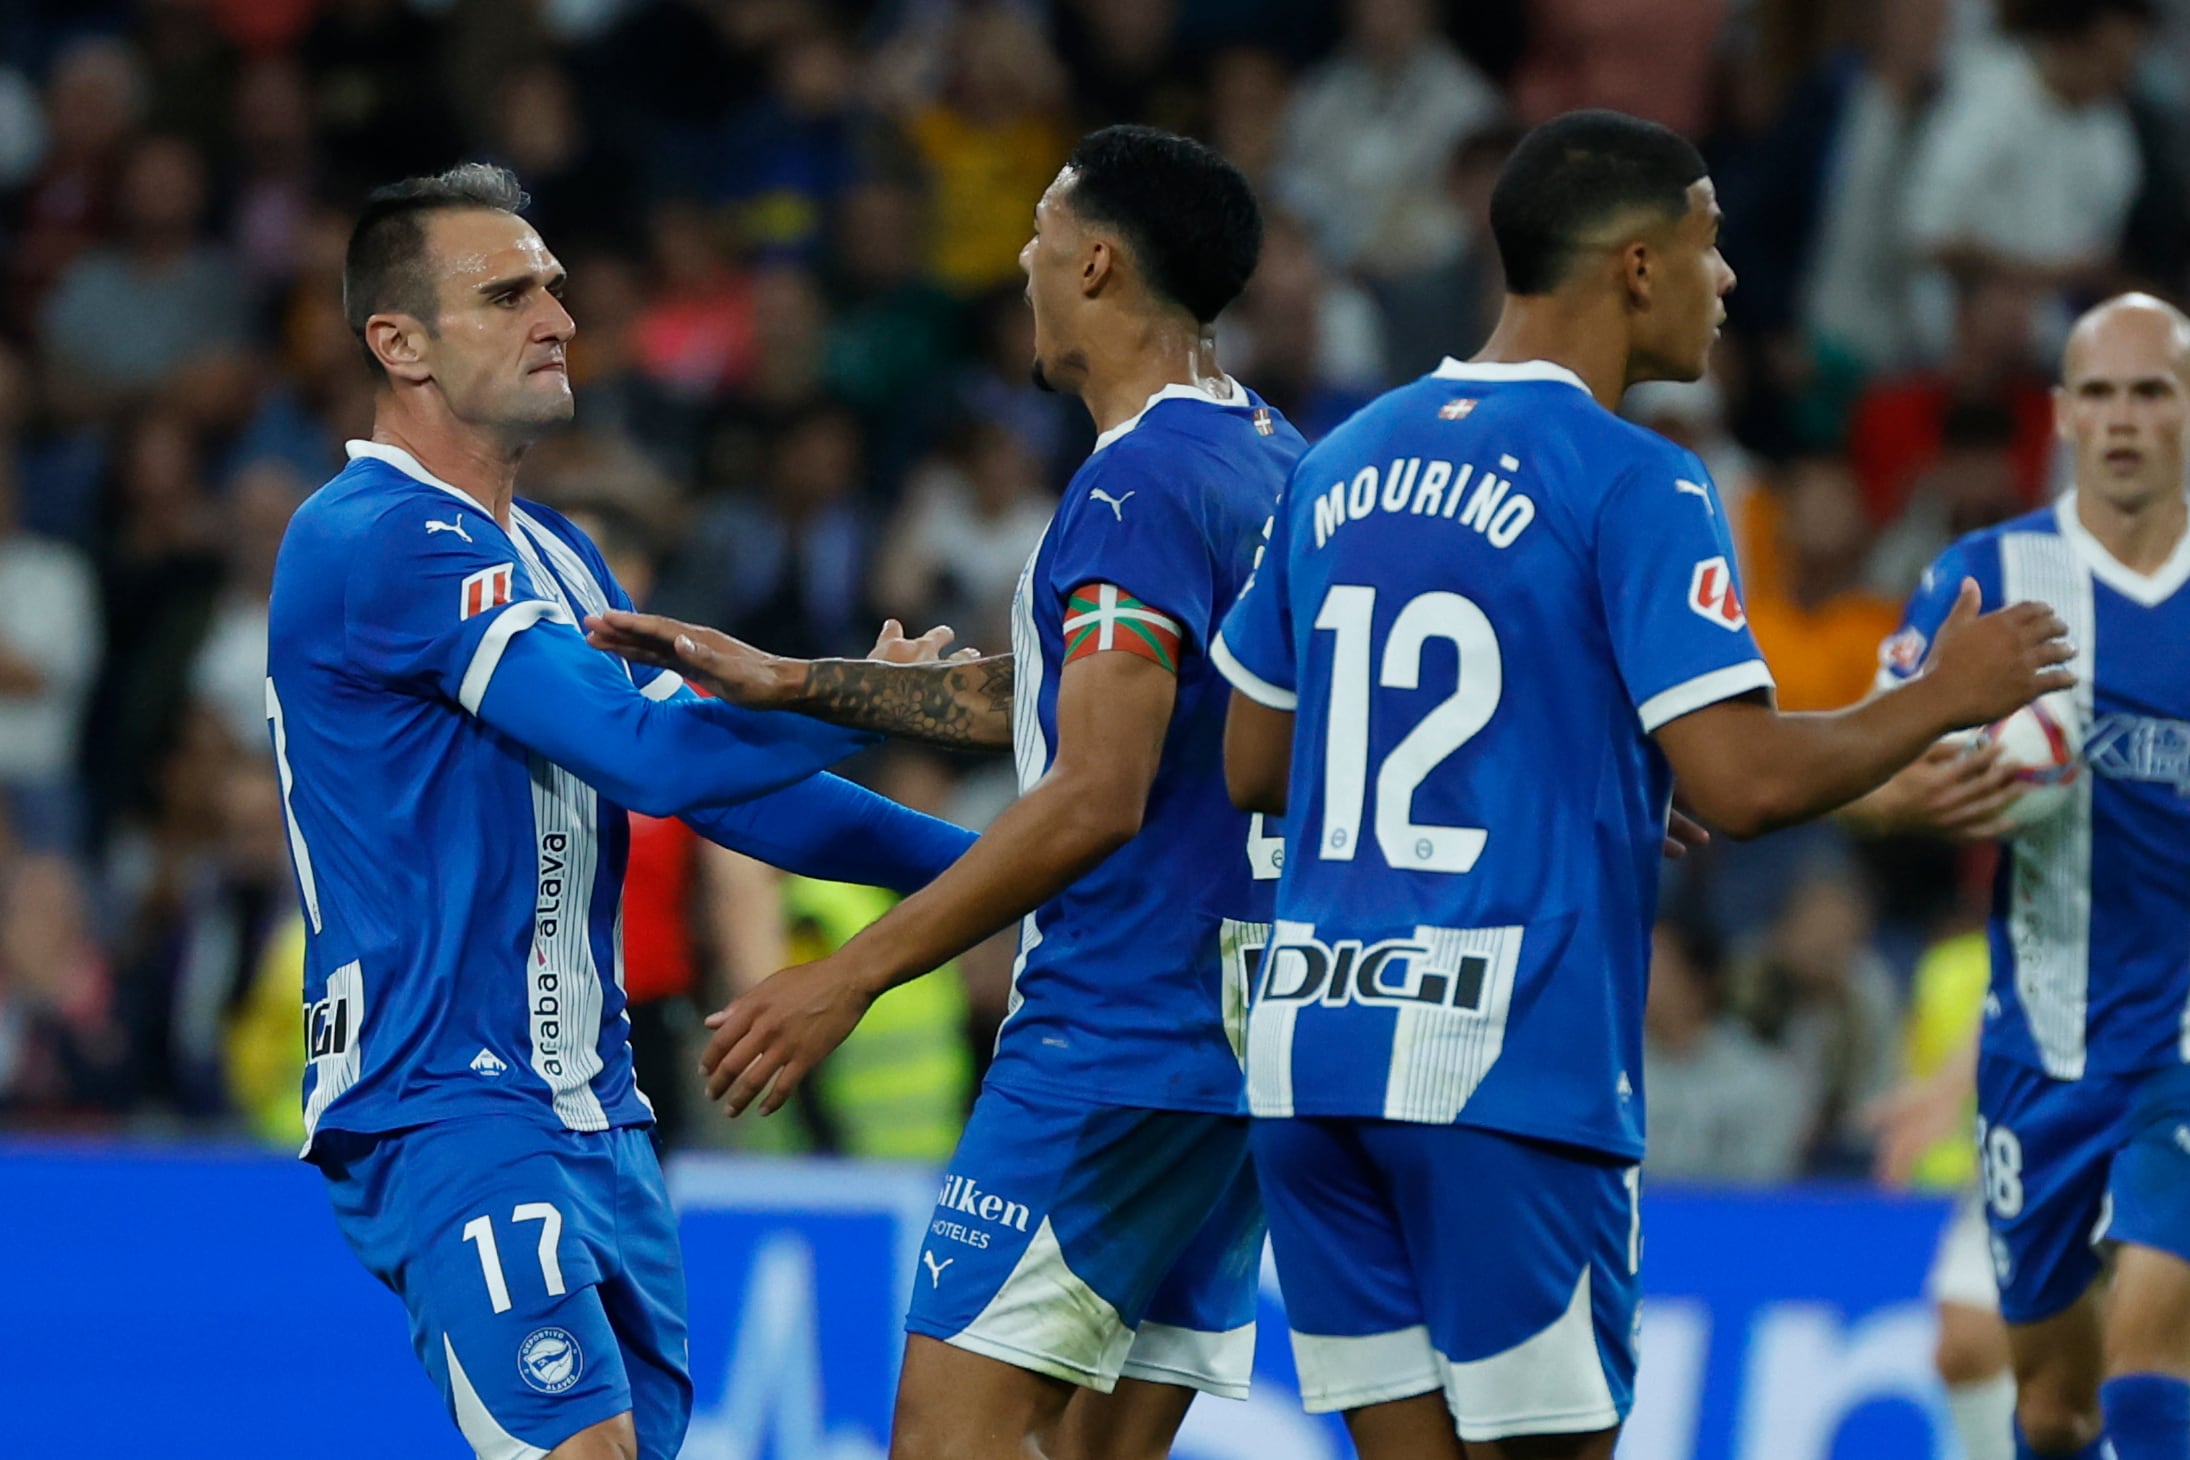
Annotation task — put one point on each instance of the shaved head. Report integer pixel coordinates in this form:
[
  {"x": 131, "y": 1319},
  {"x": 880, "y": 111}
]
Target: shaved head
[
  {"x": 2137, "y": 323},
  {"x": 2124, "y": 399}
]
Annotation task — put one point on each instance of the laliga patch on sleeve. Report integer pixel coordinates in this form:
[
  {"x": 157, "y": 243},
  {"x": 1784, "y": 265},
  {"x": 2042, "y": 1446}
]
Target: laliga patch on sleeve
[
  {"x": 487, "y": 588},
  {"x": 1711, "y": 594}
]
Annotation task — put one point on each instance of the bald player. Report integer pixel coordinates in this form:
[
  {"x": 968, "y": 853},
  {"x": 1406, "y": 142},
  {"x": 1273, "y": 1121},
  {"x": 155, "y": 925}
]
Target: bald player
[{"x": 2083, "y": 1074}]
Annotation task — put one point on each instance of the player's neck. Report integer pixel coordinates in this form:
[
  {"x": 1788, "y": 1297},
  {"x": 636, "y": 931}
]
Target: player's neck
[
  {"x": 479, "y": 465},
  {"x": 1549, "y": 327},
  {"x": 2141, "y": 536},
  {"x": 1141, "y": 362}
]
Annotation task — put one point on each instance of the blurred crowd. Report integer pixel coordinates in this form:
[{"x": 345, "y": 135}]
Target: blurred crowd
[{"x": 804, "y": 404}]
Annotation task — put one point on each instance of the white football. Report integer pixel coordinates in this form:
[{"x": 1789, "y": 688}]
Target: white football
[{"x": 2044, "y": 741}]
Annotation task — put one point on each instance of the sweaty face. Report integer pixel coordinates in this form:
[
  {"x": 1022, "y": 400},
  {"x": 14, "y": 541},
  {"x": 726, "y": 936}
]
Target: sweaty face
[
  {"x": 1053, "y": 261},
  {"x": 1689, "y": 286},
  {"x": 497, "y": 349},
  {"x": 2123, "y": 406}
]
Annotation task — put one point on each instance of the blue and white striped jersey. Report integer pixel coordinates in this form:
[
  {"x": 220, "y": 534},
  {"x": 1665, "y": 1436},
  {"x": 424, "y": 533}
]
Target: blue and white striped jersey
[
  {"x": 1482, "y": 596},
  {"x": 2090, "y": 924}
]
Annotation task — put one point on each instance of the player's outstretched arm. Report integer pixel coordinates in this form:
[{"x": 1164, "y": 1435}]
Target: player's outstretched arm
[
  {"x": 1112, "y": 713},
  {"x": 826, "y": 827},
  {"x": 560, "y": 700},
  {"x": 1749, "y": 769},
  {"x": 958, "y": 703}
]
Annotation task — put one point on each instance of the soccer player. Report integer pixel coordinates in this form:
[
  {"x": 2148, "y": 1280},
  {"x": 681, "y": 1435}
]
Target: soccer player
[
  {"x": 455, "y": 763},
  {"x": 2083, "y": 1095},
  {"x": 1506, "y": 619},
  {"x": 1099, "y": 1232}
]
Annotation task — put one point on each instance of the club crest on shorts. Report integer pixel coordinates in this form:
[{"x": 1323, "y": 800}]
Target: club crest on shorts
[{"x": 550, "y": 1360}]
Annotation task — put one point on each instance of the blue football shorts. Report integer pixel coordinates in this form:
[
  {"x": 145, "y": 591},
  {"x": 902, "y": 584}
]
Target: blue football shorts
[
  {"x": 2069, "y": 1164},
  {"x": 1094, "y": 1242},
  {"x": 540, "y": 1269},
  {"x": 1417, "y": 1259}
]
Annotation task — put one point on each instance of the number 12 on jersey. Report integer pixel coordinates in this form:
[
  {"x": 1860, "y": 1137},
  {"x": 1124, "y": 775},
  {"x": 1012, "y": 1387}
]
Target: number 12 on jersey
[{"x": 1349, "y": 615}]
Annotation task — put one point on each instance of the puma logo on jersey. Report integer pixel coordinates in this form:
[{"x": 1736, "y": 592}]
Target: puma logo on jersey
[
  {"x": 456, "y": 527},
  {"x": 1682, "y": 484},
  {"x": 1115, "y": 504},
  {"x": 935, "y": 1269}
]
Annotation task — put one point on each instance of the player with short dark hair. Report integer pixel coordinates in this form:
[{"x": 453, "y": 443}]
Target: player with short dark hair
[
  {"x": 1094, "y": 1257},
  {"x": 1505, "y": 620},
  {"x": 455, "y": 767}
]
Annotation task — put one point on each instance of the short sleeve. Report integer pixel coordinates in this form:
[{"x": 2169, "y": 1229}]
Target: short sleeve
[
  {"x": 1254, "y": 652},
  {"x": 1672, "y": 598},
  {"x": 1121, "y": 527},
  {"x": 1902, "y": 655},
  {"x": 434, "y": 598}
]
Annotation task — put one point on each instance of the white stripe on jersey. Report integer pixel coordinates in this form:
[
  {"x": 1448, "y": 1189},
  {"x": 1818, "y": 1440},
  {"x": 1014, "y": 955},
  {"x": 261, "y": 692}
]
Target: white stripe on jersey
[
  {"x": 2049, "y": 899},
  {"x": 1029, "y": 747},
  {"x": 563, "y": 979},
  {"x": 1440, "y": 1054},
  {"x": 1270, "y": 1035},
  {"x": 337, "y": 1070}
]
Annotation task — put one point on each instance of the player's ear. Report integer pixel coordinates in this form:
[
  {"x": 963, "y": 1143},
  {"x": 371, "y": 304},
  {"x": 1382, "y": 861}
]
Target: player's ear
[
  {"x": 398, "y": 342},
  {"x": 1095, "y": 270},
  {"x": 1637, "y": 267},
  {"x": 2061, "y": 426}
]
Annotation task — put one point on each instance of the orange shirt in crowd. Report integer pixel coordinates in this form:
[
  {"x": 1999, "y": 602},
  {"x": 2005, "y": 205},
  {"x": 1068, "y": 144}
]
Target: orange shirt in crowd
[{"x": 1827, "y": 657}]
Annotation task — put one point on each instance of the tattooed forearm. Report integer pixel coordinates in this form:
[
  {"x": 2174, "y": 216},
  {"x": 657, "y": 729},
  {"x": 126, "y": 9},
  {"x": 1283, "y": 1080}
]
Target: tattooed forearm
[{"x": 962, "y": 705}]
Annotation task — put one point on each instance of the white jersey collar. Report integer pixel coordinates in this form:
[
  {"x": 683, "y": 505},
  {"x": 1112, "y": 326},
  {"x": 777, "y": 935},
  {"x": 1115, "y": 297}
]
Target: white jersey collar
[
  {"x": 1238, "y": 397},
  {"x": 1505, "y": 372},
  {"x": 407, "y": 464},
  {"x": 2148, "y": 589}
]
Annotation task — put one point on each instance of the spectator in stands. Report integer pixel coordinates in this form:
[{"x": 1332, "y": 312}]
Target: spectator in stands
[
  {"x": 1973, "y": 481},
  {"x": 1304, "y": 337},
  {"x": 1817, "y": 993},
  {"x": 160, "y": 574},
  {"x": 788, "y": 157},
  {"x": 970, "y": 519},
  {"x": 1723, "y": 1107},
  {"x": 1815, "y": 620},
  {"x": 997, "y": 386},
  {"x": 1449, "y": 306},
  {"x": 228, "y": 672},
  {"x": 270, "y": 177},
  {"x": 50, "y": 638},
  {"x": 584, "y": 193},
  {"x": 695, "y": 338},
  {"x": 64, "y": 1053},
  {"x": 1120, "y": 58},
  {"x": 1368, "y": 135},
  {"x": 122, "y": 319},
  {"x": 94, "y": 99},
  {"x": 786, "y": 568},
  {"x": 2029, "y": 164},
  {"x": 895, "y": 334},
  {"x": 1897, "y": 430},
  {"x": 983, "y": 107},
  {"x": 1649, "y": 57}
]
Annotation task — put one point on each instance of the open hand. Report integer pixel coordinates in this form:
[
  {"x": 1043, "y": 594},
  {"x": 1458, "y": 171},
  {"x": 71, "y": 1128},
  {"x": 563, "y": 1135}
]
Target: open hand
[
  {"x": 892, "y": 647},
  {"x": 1954, "y": 790},
  {"x": 728, "y": 668},
  {"x": 767, "y": 1040},
  {"x": 1683, "y": 832},
  {"x": 1987, "y": 666}
]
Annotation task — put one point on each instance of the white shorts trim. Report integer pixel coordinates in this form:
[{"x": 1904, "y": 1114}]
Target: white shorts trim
[
  {"x": 482, "y": 1431},
  {"x": 1353, "y": 1373},
  {"x": 1046, "y": 1319},
  {"x": 1961, "y": 1271},
  {"x": 1215, "y": 1363},
  {"x": 1551, "y": 1384}
]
